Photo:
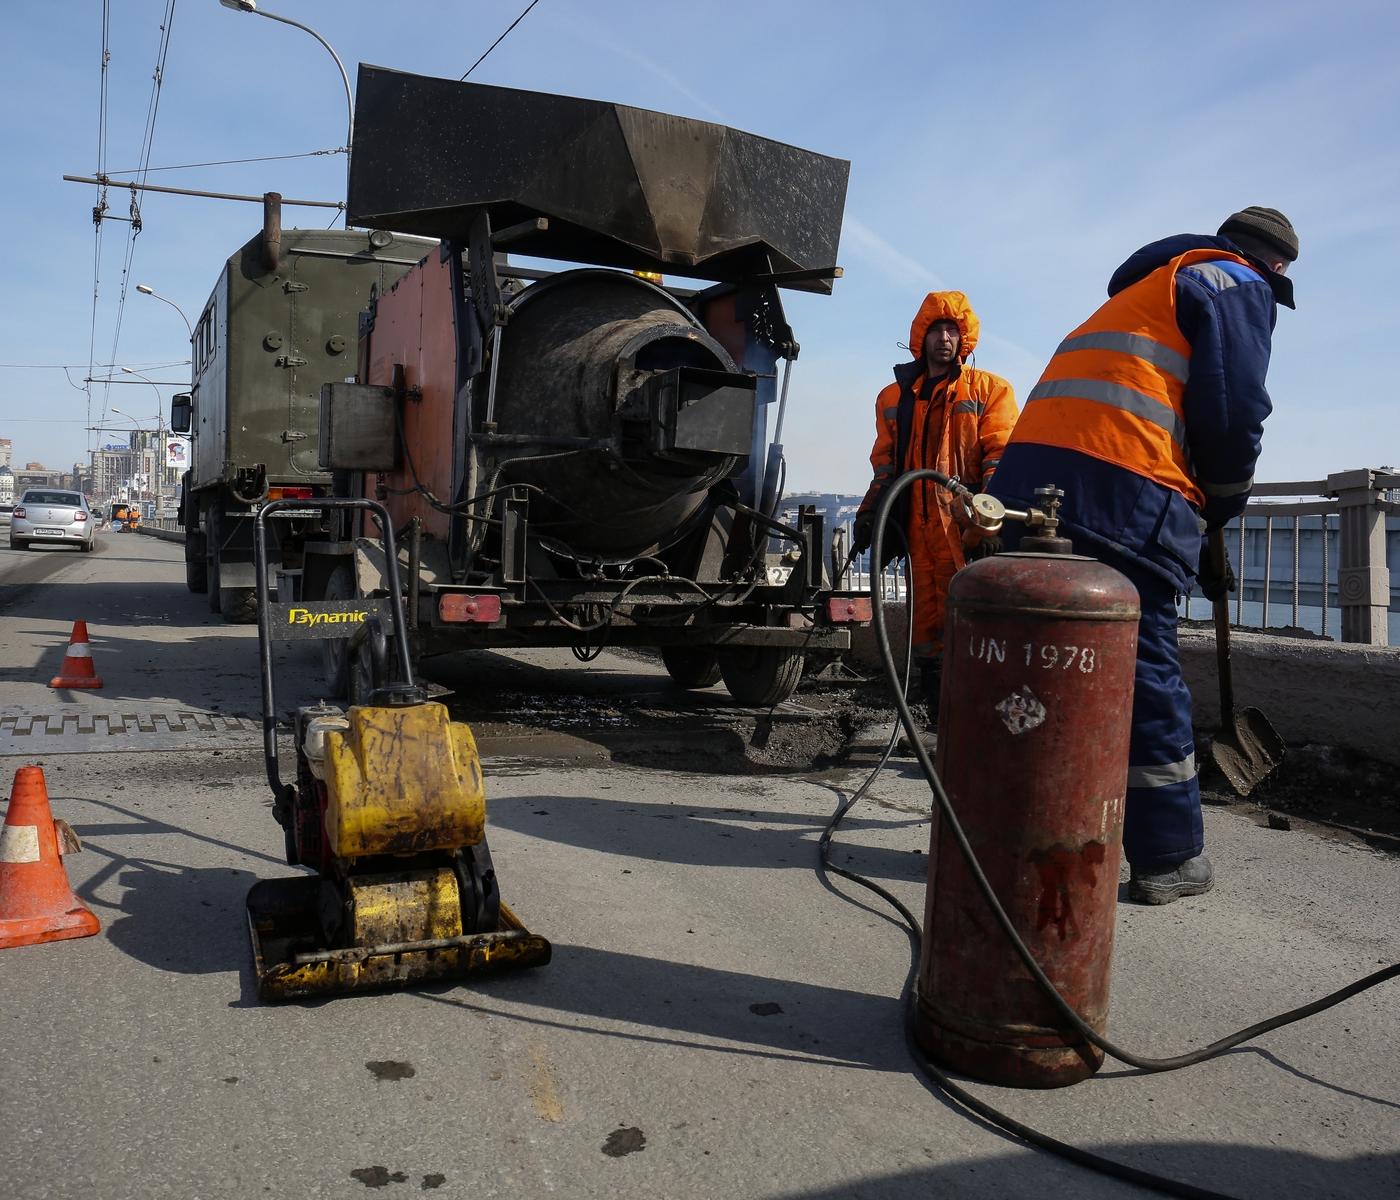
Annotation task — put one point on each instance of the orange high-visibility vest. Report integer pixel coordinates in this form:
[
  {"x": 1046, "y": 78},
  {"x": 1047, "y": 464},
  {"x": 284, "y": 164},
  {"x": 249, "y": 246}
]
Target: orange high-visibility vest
[{"x": 1115, "y": 388}]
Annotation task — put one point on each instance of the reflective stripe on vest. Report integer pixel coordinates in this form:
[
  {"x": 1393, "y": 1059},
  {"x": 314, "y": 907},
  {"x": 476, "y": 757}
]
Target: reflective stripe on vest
[{"x": 1115, "y": 387}]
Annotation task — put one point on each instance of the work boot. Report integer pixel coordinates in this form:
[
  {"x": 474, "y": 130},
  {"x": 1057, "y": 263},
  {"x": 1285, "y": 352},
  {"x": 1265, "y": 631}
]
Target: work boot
[
  {"x": 931, "y": 682},
  {"x": 1194, "y": 877},
  {"x": 929, "y": 738}
]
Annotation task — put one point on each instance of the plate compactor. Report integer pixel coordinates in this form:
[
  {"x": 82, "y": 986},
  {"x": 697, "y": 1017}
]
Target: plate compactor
[{"x": 388, "y": 809}]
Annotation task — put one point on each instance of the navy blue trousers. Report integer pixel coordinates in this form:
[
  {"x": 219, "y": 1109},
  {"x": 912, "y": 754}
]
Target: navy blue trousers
[
  {"x": 1162, "y": 824},
  {"x": 1162, "y": 819}
]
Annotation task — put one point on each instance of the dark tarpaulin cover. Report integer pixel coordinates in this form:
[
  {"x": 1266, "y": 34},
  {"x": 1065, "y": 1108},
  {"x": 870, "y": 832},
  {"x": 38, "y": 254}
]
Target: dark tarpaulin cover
[{"x": 621, "y": 186}]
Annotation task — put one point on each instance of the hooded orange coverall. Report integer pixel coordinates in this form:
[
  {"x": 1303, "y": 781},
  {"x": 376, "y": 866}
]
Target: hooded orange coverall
[{"x": 958, "y": 426}]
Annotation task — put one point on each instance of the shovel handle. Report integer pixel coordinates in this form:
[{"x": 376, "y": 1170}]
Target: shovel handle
[{"x": 1216, "y": 548}]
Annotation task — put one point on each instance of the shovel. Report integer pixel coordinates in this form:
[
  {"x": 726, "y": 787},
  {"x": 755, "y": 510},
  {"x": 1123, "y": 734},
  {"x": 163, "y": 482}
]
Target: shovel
[{"x": 1248, "y": 747}]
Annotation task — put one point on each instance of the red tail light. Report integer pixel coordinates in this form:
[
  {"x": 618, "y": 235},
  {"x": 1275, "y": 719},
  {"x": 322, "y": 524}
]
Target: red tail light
[
  {"x": 80, "y": 515},
  {"x": 848, "y": 610},
  {"x": 290, "y": 493},
  {"x": 460, "y": 607},
  {"x": 19, "y": 512}
]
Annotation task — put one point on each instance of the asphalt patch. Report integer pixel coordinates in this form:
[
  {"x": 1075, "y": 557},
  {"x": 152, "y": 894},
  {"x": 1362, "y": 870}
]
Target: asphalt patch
[
  {"x": 1320, "y": 786},
  {"x": 377, "y": 1176},
  {"x": 389, "y": 1071},
  {"x": 627, "y": 1140}
]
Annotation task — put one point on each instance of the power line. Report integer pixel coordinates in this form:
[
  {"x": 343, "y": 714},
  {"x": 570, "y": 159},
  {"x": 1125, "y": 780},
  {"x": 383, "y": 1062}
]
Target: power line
[
  {"x": 500, "y": 39},
  {"x": 223, "y": 162},
  {"x": 183, "y": 362}
]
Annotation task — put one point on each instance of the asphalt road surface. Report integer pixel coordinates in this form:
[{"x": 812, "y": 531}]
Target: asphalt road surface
[{"x": 717, "y": 1020}]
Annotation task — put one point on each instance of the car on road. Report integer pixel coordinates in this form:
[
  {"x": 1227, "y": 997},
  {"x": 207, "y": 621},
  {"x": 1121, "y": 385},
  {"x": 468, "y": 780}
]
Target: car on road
[
  {"x": 51, "y": 515},
  {"x": 5, "y": 511}
]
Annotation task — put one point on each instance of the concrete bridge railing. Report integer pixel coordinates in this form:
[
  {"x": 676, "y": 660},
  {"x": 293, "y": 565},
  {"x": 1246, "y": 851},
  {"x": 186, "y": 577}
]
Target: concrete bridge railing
[
  {"x": 1282, "y": 549},
  {"x": 1307, "y": 553}
]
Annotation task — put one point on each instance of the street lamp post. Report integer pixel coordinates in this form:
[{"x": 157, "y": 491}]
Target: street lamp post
[
  {"x": 252, "y": 7},
  {"x": 133, "y": 472},
  {"x": 147, "y": 290},
  {"x": 159, "y": 465}
]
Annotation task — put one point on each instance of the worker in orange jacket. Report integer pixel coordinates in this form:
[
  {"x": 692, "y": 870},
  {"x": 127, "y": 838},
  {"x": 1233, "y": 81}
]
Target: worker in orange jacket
[{"x": 939, "y": 413}]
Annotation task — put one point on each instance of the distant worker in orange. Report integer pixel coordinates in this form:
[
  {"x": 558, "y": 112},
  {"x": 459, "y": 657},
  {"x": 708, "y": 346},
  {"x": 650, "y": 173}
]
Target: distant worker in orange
[{"x": 939, "y": 413}]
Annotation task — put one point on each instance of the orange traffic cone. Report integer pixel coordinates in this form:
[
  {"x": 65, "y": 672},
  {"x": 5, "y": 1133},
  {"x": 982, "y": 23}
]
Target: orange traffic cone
[
  {"x": 77, "y": 670},
  {"x": 36, "y": 903}
]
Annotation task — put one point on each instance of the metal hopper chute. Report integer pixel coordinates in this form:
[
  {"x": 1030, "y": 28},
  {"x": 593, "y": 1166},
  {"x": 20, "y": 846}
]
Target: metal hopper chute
[{"x": 620, "y": 186}]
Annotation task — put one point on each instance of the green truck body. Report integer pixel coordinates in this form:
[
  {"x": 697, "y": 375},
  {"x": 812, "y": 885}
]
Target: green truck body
[{"x": 282, "y": 320}]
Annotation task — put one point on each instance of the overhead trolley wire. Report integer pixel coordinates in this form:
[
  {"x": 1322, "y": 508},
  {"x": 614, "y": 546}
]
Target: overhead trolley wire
[
  {"x": 499, "y": 40},
  {"x": 101, "y": 206},
  {"x": 147, "y": 144},
  {"x": 221, "y": 162}
]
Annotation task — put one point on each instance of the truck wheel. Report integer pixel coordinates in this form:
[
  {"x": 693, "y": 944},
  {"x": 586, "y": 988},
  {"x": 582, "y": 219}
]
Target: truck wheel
[
  {"x": 196, "y": 569},
  {"x": 335, "y": 655},
  {"x": 760, "y": 676},
  {"x": 691, "y": 668},
  {"x": 238, "y": 605},
  {"x": 359, "y": 677}
]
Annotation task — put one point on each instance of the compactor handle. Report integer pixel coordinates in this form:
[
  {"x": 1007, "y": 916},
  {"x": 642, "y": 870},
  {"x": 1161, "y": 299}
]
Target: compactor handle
[{"x": 281, "y": 790}]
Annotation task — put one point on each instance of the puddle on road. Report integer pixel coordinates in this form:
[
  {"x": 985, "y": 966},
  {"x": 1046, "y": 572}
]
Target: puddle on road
[{"x": 389, "y": 1071}]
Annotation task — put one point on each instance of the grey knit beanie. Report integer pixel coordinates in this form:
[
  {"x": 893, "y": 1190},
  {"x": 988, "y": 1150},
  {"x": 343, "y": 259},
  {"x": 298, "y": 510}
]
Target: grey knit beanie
[{"x": 1268, "y": 225}]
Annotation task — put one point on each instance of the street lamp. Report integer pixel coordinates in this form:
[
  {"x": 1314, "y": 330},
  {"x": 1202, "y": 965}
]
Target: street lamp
[
  {"x": 252, "y": 7},
  {"x": 160, "y": 468},
  {"x": 147, "y": 290}
]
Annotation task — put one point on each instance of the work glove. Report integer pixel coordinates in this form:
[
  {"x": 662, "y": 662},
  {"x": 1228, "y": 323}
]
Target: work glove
[
  {"x": 860, "y": 533},
  {"x": 985, "y": 548},
  {"x": 1215, "y": 587}
]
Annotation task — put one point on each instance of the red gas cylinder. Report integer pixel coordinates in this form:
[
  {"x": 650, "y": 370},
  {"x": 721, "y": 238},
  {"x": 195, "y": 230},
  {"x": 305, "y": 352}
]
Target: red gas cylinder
[{"x": 1034, "y": 718}]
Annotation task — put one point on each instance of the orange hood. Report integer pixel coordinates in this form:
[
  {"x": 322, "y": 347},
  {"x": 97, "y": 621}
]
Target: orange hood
[{"x": 945, "y": 306}]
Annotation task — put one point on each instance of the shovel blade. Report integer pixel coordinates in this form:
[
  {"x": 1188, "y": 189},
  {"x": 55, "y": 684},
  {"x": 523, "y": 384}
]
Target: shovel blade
[{"x": 1249, "y": 753}]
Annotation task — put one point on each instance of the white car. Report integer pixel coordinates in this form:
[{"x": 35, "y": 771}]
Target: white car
[{"x": 50, "y": 515}]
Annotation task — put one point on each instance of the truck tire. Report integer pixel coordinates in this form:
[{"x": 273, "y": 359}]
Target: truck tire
[
  {"x": 760, "y": 676},
  {"x": 239, "y": 606},
  {"x": 691, "y": 668},
  {"x": 196, "y": 569},
  {"x": 335, "y": 657}
]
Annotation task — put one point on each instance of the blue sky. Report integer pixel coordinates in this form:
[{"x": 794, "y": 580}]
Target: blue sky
[{"x": 1015, "y": 151}]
